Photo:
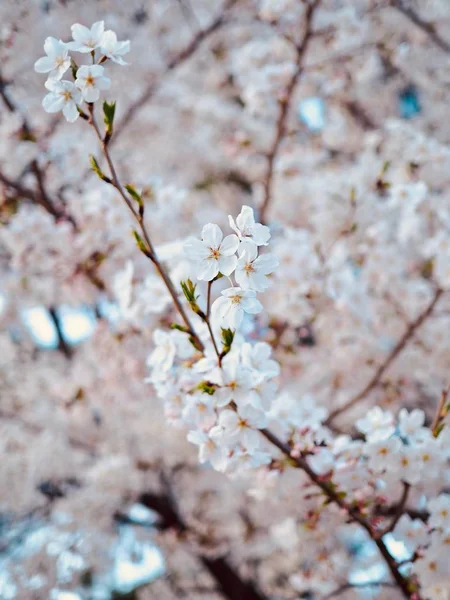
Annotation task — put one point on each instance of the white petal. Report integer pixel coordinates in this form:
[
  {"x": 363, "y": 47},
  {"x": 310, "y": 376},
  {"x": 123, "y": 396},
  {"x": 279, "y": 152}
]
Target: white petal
[
  {"x": 249, "y": 248},
  {"x": 96, "y": 70},
  {"x": 208, "y": 269},
  {"x": 260, "y": 234},
  {"x": 97, "y": 30},
  {"x": 212, "y": 235},
  {"x": 251, "y": 305},
  {"x": 103, "y": 83},
  {"x": 227, "y": 264},
  {"x": 90, "y": 93},
  {"x": 52, "y": 47},
  {"x": 195, "y": 249},
  {"x": 52, "y": 103},
  {"x": 70, "y": 112},
  {"x": 44, "y": 65},
  {"x": 80, "y": 32},
  {"x": 267, "y": 263},
  {"x": 245, "y": 220},
  {"x": 229, "y": 245}
]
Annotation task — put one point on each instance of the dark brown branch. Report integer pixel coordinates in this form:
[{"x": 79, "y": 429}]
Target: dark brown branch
[
  {"x": 284, "y": 106},
  {"x": 353, "y": 512},
  {"x": 62, "y": 344},
  {"x": 398, "y": 348},
  {"x": 176, "y": 61},
  {"x": 399, "y": 510},
  {"x": 352, "y": 586},
  {"x": 426, "y": 27},
  {"x": 139, "y": 217},
  {"x": 227, "y": 578}
]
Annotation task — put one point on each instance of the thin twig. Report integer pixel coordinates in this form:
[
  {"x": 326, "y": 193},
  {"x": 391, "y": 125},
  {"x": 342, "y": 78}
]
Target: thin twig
[
  {"x": 353, "y": 511},
  {"x": 150, "y": 250},
  {"x": 284, "y": 106},
  {"x": 351, "y": 586},
  {"x": 398, "y": 348},
  {"x": 176, "y": 61},
  {"x": 426, "y": 27},
  {"x": 399, "y": 510}
]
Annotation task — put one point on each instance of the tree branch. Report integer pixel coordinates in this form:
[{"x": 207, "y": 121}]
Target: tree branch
[
  {"x": 176, "y": 61},
  {"x": 398, "y": 348},
  {"x": 426, "y": 27},
  {"x": 284, "y": 107}
]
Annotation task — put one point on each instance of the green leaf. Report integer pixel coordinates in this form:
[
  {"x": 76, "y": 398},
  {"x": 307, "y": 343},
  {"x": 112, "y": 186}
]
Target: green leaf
[
  {"x": 136, "y": 196},
  {"x": 207, "y": 387},
  {"x": 109, "y": 109},
  {"x": 189, "y": 290},
  {"x": 140, "y": 243},
  {"x": 96, "y": 168}
]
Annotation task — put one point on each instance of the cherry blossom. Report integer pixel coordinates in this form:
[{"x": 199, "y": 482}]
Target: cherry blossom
[
  {"x": 114, "y": 49},
  {"x": 91, "y": 81},
  {"x": 63, "y": 96},
  {"x": 214, "y": 254},
  {"x": 233, "y": 304},
  {"x": 87, "y": 39},
  {"x": 57, "y": 60}
]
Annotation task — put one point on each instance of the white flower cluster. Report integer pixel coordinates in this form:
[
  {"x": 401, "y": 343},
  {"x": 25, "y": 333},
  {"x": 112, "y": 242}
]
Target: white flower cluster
[
  {"x": 224, "y": 397},
  {"x": 214, "y": 254},
  {"x": 89, "y": 80}
]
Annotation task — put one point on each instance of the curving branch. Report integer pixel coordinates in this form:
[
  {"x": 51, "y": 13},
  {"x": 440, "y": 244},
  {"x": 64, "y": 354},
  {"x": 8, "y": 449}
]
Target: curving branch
[
  {"x": 176, "y": 61},
  {"x": 398, "y": 348},
  {"x": 426, "y": 27},
  {"x": 284, "y": 107},
  {"x": 352, "y": 511}
]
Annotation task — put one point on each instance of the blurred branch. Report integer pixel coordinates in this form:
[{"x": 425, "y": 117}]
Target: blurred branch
[
  {"x": 284, "y": 106},
  {"x": 62, "y": 344},
  {"x": 229, "y": 582},
  {"x": 355, "y": 586},
  {"x": 353, "y": 512},
  {"x": 398, "y": 348},
  {"x": 426, "y": 27},
  {"x": 176, "y": 61}
]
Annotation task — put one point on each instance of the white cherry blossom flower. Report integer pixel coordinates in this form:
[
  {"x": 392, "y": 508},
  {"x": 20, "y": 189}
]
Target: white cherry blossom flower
[
  {"x": 63, "y": 96},
  {"x": 439, "y": 511},
  {"x": 113, "y": 49},
  {"x": 85, "y": 39},
  {"x": 199, "y": 410},
  {"x": 162, "y": 357},
  {"x": 410, "y": 423},
  {"x": 431, "y": 568},
  {"x": 381, "y": 454},
  {"x": 247, "y": 229},
  {"x": 257, "y": 357},
  {"x": 322, "y": 462},
  {"x": 412, "y": 532},
  {"x": 57, "y": 60},
  {"x": 235, "y": 382},
  {"x": 406, "y": 465},
  {"x": 91, "y": 80},
  {"x": 351, "y": 478},
  {"x": 252, "y": 270},
  {"x": 377, "y": 424},
  {"x": 213, "y": 254},
  {"x": 208, "y": 450},
  {"x": 234, "y": 427},
  {"x": 230, "y": 307}
]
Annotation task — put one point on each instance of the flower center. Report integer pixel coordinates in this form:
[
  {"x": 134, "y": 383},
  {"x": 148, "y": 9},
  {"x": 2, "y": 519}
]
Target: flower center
[
  {"x": 66, "y": 95},
  {"x": 236, "y": 299},
  {"x": 90, "y": 80},
  {"x": 214, "y": 253},
  {"x": 249, "y": 268}
]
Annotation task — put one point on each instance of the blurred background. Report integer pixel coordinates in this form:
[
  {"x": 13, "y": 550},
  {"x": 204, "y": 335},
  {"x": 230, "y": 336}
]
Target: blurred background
[{"x": 99, "y": 497}]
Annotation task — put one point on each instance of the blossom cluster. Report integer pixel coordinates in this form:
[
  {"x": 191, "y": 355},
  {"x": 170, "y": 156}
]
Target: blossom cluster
[{"x": 89, "y": 80}]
